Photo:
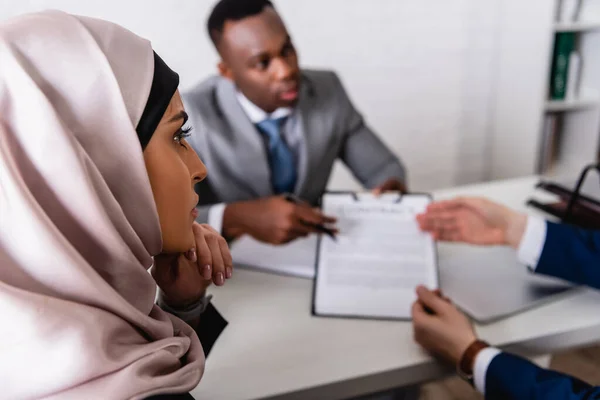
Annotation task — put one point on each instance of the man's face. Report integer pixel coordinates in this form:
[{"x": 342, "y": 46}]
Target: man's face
[{"x": 258, "y": 55}]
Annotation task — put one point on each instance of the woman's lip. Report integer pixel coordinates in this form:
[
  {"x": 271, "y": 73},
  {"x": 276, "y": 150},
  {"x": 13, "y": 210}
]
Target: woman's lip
[{"x": 194, "y": 209}]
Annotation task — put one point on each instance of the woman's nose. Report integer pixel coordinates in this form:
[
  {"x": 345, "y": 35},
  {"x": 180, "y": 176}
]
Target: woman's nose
[{"x": 197, "y": 168}]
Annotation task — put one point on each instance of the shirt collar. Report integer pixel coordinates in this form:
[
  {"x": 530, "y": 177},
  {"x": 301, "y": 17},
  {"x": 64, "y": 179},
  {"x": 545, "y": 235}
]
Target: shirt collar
[{"x": 256, "y": 114}]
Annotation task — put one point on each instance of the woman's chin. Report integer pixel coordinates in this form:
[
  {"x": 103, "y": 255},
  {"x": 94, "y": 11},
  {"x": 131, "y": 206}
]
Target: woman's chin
[
  {"x": 180, "y": 243},
  {"x": 178, "y": 247}
]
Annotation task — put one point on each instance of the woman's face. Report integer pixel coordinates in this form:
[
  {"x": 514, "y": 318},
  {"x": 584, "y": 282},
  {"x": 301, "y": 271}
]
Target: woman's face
[{"x": 174, "y": 168}]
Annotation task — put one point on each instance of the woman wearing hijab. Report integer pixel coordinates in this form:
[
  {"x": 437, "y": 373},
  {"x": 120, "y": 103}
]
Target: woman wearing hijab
[{"x": 96, "y": 186}]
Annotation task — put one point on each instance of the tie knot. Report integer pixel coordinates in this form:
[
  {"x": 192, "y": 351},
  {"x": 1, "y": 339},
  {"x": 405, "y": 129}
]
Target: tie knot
[{"x": 271, "y": 127}]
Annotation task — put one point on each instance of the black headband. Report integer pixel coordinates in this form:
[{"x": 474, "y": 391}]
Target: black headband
[{"x": 164, "y": 85}]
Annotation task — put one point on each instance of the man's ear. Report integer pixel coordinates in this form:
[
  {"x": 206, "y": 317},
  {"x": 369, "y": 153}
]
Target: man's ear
[{"x": 224, "y": 70}]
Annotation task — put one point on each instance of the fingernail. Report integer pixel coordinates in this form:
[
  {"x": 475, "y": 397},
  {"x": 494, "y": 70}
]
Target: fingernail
[
  {"x": 193, "y": 256},
  {"x": 206, "y": 272},
  {"x": 220, "y": 279},
  {"x": 229, "y": 273}
]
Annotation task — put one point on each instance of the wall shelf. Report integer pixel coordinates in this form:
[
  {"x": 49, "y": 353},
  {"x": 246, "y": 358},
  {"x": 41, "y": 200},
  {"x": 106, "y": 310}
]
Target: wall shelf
[
  {"x": 577, "y": 26},
  {"x": 572, "y": 105}
]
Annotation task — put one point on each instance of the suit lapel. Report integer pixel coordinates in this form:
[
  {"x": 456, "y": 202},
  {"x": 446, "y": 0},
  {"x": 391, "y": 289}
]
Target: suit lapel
[
  {"x": 310, "y": 126},
  {"x": 249, "y": 157}
]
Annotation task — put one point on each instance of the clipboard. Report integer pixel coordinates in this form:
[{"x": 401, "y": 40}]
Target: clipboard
[{"x": 356, "y": 197}]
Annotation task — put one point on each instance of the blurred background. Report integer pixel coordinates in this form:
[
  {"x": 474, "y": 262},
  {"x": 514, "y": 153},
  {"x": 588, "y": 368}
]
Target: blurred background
[
  {"x": 464, "y": 91},
  {"x": 459, "y": 89}
]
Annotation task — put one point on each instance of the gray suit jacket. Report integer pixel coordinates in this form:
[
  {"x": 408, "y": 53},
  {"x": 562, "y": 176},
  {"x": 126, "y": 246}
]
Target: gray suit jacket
[{"x": 235, "y": 153}]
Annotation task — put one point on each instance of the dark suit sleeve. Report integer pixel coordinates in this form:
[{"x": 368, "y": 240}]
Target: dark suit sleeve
[
  {"x": 210, "y": 327},
  {"x": 572, "y": 254},
  {"x": 369, "y": 159},
  {"x": 512, "y": 378}
]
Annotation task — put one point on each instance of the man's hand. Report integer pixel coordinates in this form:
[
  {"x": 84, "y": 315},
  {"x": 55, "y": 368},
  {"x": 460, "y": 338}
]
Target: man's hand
[
  {"x": 473, "y": 220},
  {"x": 184, "y": 278},
  {"x": 440, "y": 327},
  {"x": 391, "y": 185},
  {"x": 272, "y": 220}
]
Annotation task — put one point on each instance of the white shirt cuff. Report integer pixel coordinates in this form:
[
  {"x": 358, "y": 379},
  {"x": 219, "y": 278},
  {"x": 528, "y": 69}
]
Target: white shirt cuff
[
  {"x": 482, "y": 363},
  {"x": 532, "y": 244},
  {"x": 215, "y": 216}
]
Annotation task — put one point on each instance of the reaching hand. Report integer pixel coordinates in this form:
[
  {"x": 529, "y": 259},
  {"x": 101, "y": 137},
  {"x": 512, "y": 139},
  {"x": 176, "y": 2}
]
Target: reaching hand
[
  {"x": 440, "y": 327},
  {"x": 184, "y": 278},
  {"x": 473, "y": 220},
  {"x": 273, "y": 220}
]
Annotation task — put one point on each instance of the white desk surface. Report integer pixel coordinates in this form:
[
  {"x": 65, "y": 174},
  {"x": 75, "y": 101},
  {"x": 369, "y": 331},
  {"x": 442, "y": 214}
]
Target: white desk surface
[{"x": 274, "y": 348}]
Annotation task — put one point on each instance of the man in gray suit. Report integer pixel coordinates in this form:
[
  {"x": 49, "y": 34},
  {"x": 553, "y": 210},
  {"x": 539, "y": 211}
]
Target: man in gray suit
[{"x": 265, "y": 128}]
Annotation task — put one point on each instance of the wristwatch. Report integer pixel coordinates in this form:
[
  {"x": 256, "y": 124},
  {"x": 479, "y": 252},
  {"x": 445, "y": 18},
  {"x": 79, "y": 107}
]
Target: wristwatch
[{"x": 464, "y": 368}]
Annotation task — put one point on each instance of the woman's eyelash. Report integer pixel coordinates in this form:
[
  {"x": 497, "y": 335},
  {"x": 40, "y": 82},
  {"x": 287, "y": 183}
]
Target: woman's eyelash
[{"x": 182, "y": 134}]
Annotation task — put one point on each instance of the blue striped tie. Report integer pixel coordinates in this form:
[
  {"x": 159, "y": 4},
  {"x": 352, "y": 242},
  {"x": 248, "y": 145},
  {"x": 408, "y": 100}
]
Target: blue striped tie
[{"x": 281, "y": 159}]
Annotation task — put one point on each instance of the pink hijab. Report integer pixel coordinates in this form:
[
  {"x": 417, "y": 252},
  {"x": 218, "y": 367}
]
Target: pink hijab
[{"x": 78, "y": 223}]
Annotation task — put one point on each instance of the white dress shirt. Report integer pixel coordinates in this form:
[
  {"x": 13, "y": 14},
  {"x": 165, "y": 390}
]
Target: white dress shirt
[
  {"x": 256, "y": 115},
  {"x": 529, "y": 253}
]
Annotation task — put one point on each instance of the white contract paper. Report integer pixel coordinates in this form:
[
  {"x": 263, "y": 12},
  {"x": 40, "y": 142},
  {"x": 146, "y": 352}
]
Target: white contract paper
[
  {"x": 294, "y": 259},
  {"x": 378, "y": 260}
]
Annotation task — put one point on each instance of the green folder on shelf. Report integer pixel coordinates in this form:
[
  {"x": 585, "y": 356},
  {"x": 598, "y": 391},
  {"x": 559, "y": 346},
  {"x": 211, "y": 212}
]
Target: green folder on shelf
[{"x": 564, "y": 44}]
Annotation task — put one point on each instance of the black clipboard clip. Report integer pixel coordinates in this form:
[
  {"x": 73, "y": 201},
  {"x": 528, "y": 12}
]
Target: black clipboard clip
[
  {"x": 400, "y": 198},
  {"x": 356, "y": 199}
]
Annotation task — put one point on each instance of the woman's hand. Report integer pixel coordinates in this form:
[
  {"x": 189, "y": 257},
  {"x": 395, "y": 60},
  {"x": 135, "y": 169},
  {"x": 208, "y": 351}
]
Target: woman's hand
[
  {"x": 440, "y": 327},
  {"x": 473, "y": 220},
  {"x": 184, "y": 278}
]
